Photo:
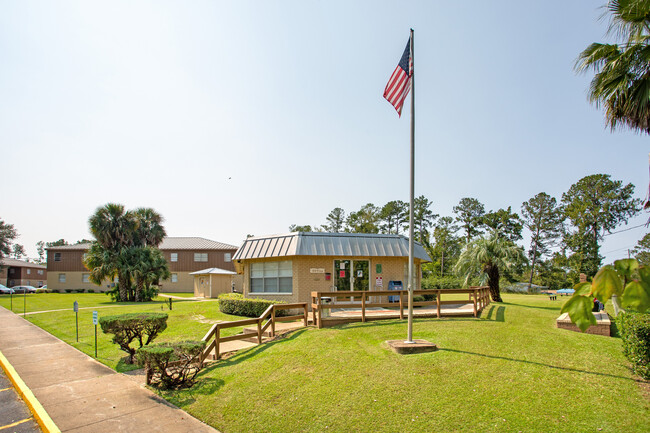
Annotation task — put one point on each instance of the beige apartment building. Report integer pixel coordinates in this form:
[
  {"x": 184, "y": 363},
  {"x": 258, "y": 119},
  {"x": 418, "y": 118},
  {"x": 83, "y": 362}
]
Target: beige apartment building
[
  {"x": 184, "y": 255},
  {"x": 289, "y": 267},
  {"x": 20, "y": 273}
]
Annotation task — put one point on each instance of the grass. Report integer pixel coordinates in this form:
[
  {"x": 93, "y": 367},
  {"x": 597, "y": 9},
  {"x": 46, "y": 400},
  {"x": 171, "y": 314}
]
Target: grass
[
  {"x": 510, "y": 370},
  {"x": 188, "y": 320}
]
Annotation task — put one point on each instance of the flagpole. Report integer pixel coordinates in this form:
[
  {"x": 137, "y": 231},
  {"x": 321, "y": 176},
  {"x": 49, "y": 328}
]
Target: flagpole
[{"x": 411, "y": 200}]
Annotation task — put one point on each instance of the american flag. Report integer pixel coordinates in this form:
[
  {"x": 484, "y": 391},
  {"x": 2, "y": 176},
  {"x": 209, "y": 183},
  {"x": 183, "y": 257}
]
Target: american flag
[{"x": 400, "y": 82}]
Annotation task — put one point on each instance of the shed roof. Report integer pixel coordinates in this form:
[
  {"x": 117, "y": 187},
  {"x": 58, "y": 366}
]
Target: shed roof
[
  {"x": 168, "y": 243},
  {"x": 328, "y": 244},
  {"x": 213, "y": 271}
]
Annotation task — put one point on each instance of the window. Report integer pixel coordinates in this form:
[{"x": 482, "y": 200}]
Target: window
[
  {"x": 57, "y": 257},
  {"x": 61, "y": 278},
  {"x": 174, "y": 278},
  {"x": 40, "y": 272},
  {"x": 173, "y": 257},
  {"x": 85, "y": 278},
  {"x": 271, "y": 277},
  {"x": 227, "y": 257},
  {"x": 200, "y": 257},
  {"x": 29, "y": 271},
  {"x": 11, "y": 270}
]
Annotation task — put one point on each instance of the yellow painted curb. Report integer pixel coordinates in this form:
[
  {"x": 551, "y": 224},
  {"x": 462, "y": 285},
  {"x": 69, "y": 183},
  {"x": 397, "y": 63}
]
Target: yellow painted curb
[{"x": 34, "y": 405}]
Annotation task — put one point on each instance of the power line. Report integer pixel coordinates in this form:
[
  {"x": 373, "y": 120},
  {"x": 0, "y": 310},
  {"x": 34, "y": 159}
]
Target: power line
[{"x": 624, "y": 230}]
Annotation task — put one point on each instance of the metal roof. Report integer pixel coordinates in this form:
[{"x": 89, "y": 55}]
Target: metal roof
[
  {"x": 168, "y": 243},
  {"x": 328, "y": 244},
  {"x": 213, "y": 271}
]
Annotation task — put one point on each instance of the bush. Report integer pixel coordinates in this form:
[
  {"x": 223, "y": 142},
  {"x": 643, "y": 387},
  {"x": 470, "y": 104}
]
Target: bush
[
  {"x": 90, "y": 291},
  {"x": 172, "y": 365},
  {"x": 148, "y": 293},
  {"x": 635, "y": 333},
  {"x": 79, "y": 290},
  {"x": 41, "y": 290},
  {"x": 54, "y": 290},
  {"x": 68, "y": 290},
  {"x": 133, "y": 326},
  {"x": 441, "y": 283},
  {"x": 418, "y": 298},
  {"x": 237, "y": 305}
]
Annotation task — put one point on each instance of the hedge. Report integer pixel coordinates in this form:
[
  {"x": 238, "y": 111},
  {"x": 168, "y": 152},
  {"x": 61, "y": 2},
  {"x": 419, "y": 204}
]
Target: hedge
[
  {"x": 130, "y": 327},
  {"x": 237, "y": 305},
  {"x": 635, "y": 333},
  {"x": 172, "y": 365}
]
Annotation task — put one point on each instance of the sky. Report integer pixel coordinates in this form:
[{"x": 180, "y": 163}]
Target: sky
[{"x": 244, "y": 117}]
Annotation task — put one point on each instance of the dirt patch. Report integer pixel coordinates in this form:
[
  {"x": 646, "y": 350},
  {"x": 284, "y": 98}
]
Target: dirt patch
[{"x": 202, "y": 319}]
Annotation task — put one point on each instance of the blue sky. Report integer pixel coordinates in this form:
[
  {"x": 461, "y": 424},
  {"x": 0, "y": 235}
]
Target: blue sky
[{"x": 236, "y": 118}]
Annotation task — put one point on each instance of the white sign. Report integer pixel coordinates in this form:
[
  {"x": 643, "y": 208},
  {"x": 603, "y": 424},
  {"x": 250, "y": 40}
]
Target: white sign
[
  {"x": 317, "y": 270},
  {"x": 75, "y": 307},
  {"x": 95, "y": 320},
  {"x": 379, "y": 282}
]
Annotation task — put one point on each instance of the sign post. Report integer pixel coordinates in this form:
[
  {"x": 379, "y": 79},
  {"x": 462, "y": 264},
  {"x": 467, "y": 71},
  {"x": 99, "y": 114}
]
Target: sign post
[
  {"x": 95, "y": 321},
  {"x": 24, "y": 302},
  {"x": 75, "y": 307}
]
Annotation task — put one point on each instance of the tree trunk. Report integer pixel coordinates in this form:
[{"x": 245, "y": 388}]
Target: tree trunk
[
  {"x": 122, "y": 286},
  {"x": 532, "y": 269},
  {"x": 493, "y": 282},
  {"x": 139, "y": 288}
]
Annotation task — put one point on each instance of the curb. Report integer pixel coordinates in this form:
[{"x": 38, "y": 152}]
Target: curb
[{"x": 26, "y": 394}]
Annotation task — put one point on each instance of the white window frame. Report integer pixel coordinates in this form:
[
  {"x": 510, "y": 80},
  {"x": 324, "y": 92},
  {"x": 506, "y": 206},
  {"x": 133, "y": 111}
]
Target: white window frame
[
  {"x": 227, "y": 257},
  {"x": 57, "y": 257},
  {"x": 173, "y": 257},
  {"x": 29, "y": 271},
  {"x": 268, "y": 277},
  {"x": 40, "y": 272},
  {"x": 174, "y": 278},
  {"x": 198, "y": 257},
  {"x": 61, "y": 278},
  {"x": 85, "y": 278}
]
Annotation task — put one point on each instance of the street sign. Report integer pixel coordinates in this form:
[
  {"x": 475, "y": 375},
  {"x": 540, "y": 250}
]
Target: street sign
[
  {"x": 95, "y": 319},
  {"x": 75, "y": 306}
]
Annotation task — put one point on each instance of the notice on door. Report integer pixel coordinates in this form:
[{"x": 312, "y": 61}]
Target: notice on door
[
  {"x": 379, "y": 282},
  {"x": 341, "y": 274}
]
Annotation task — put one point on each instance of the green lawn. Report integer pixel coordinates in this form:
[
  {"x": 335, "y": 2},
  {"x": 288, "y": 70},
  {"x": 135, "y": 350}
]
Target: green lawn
[
  {"x": 188, "y": 320},
  {"x": 509, "y": 371}
]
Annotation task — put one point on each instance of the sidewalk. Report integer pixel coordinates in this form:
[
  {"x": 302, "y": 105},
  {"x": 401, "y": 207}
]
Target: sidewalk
[{"x": 81, "y": 394}]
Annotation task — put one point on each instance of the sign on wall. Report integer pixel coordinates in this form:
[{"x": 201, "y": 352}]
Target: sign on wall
[
  {"x": 317, "y": 270},
  {"x": 379, "y": 282}
]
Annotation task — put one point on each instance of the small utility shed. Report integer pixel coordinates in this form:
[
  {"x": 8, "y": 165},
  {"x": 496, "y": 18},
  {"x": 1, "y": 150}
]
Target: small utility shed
[
  {"x": 212, "y": 282},
  {"x": 289, "y": 267}
]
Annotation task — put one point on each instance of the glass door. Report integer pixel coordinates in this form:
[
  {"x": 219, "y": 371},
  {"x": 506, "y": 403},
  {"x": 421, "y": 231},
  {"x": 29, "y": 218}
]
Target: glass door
[
  {"x": 361, "y": 275},
  {"x": 342, "y": 277},
  {"x": 351, "y": 275}
]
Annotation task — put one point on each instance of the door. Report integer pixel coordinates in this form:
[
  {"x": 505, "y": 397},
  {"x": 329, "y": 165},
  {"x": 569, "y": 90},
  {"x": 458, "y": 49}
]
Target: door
[{"x": 351, "y": 275}]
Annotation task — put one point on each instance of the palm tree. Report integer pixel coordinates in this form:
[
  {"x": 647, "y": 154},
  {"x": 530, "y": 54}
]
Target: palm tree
[
  {"x": 149, "y": 231},
  {"x": 148, "y": 266},
  {"x": 622, "y": 80},
  {"x": 486, "y": 257}
]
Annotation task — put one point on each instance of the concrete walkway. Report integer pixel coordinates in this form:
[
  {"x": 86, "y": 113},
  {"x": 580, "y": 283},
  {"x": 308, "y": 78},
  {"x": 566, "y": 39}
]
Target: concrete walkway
[{"x": 81, "y": 394}]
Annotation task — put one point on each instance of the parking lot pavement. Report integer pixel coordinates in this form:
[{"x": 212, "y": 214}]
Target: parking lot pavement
[{"x": 14, "y": 415}]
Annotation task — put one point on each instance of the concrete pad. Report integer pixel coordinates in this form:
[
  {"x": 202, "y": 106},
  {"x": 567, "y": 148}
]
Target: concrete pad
[
  {"x": 82, "y": 389},
  {"x": 38, "y": 352},
  {"x": 418, "y": 346}
]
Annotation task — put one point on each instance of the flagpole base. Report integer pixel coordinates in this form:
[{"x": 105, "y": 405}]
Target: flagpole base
[{"x": 402, "y": 347}]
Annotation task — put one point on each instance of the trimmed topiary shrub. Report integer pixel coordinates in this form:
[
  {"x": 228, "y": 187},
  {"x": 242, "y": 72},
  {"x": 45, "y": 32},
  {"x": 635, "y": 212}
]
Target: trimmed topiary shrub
[
  {"x": 172, "y": 365},
  {"x": 237, "y": 305},
  {"x": 635, "y": 333},
  {"x": 140, "y": 327}
]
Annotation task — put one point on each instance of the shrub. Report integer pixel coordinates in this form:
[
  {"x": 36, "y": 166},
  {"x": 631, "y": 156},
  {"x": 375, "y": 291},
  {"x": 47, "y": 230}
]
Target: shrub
[
  {"x": 41, "y": 290},
  {"x": 172, "y": 365},
  {"x": 635, "y": 333},
  {"x": 68, "y": 290},
  {"x": 418, "y": 298},
  {"x": 236, "y": 304},
  {"x": 443, "y": 283},
  {"x": 148, "y": 293},
  {"x": 54, "y": 290},
  {"x": 90, "y": 291},
  {"x": 133, "y": 326},
  {"x": 79, "y": 290}
]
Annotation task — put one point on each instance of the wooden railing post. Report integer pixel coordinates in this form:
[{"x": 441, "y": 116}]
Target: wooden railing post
[
  {"x": 363, "y": 306},
  {"x": 273, "y": 322},
  {"x": 438, "y": 294},
  {"x": 305, "y": 314},
  {"x": 259, "y": 331},
  {"x": 320, "y": 315},
  {"x": 474, "y": 297},
  {"x": 217, "y": 334},
  {"x": 401, "y": 305}
]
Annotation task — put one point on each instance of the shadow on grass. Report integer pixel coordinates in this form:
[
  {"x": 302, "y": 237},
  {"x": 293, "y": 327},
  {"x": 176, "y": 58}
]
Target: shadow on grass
[
  {"x": 537, "y": 308},
  {"x": 500, "y": 313},
  {"x": 243, "y": 355},
  {"x": 523, "y": 361},
  {"x": 203, "y": 386}
]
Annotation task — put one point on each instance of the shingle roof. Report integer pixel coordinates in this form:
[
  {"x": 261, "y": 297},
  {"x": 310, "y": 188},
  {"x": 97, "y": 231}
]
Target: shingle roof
[
  {"x": 168, "y": 243},
  {"x": 20, "y": 264},
  {"x": 328, "y": 244},
  {"x": 213, "y": 271}
]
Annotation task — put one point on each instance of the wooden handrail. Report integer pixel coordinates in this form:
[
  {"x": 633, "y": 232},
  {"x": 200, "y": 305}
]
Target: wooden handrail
[{"x": 269, "y": 314}]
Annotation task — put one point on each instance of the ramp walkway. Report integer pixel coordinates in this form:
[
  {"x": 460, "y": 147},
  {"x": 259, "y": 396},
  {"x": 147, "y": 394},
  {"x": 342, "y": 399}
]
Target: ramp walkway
[{"x": 80, "y": 394}]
